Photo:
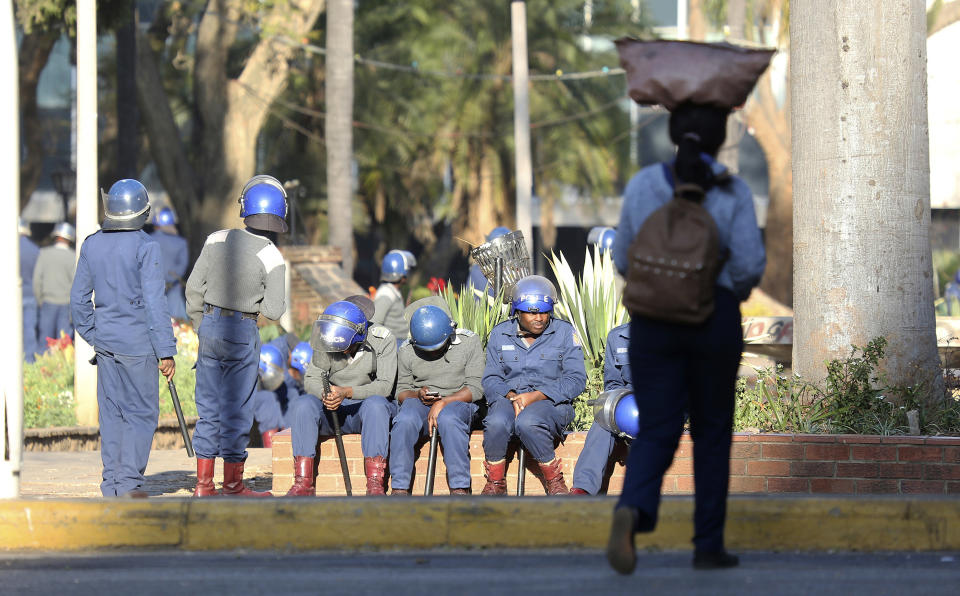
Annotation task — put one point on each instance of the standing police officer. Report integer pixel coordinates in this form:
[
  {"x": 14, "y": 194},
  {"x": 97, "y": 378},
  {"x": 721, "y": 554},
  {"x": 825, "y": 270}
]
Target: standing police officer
[
  {"x": 534, "y": 369},
  {"x": 28, "y": 260},
  {"x": 281, "y": 382},
  {"x": 588, "y": 475},
  {"x": 438, "y": 385},
  {"x": 388, "y": 306},
  {"x": 239, "y": 274},
  {"x": 359, "y": 361},
  {"x": 173, "y": 247},
  {"x": 118, "y": 306},
  {"x": 52, "y": 278}
]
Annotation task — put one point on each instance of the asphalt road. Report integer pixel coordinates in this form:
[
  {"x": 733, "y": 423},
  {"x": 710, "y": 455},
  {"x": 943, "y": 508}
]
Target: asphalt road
[{"x": 464, "y": 573}]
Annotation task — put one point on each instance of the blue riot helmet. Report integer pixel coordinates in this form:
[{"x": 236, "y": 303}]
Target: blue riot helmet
[
  {"x": 534, "y": 294},
  {"x": 341, "y": 325},
  {"x": 271, "y": 367},
  {"x": 165, "y": 217},
  {"x": 497, "y": 232},
  {"x": 602, "y": 236},
  {"x": 430, "y": 328},
  {"x": 616, "y": 410},
  {"x": 65, "y": 231},
  {"x": 126, "y": 206},
  {"x": 396, "y": 265},
  {"x": 302, "y": 354},
  {"x": 263, "y": 204}
]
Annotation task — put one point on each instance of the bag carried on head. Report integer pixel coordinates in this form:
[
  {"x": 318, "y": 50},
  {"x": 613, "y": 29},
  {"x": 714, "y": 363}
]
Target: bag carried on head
[{"x": 674, "y": 261}]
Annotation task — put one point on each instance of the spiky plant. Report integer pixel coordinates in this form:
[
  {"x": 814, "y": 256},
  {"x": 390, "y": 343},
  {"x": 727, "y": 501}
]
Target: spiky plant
[{"x": 475, "y": 310}]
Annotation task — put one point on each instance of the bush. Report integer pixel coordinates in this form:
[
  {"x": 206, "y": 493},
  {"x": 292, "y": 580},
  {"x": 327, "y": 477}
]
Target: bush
[{"x": 48, "y": 389}]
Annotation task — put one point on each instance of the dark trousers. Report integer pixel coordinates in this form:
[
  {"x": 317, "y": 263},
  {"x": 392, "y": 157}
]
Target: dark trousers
[
  {"x": 53, "y": 319},
  {"x": 592, "y": 462},
  {"x": 227, "y": 369},
  {"x": 30, "y": 347},
  {"x": 539, "y": 427},
  {"x": 369, "y": 416},
  {"x": 128, "y": 397},
  {"x": 453, "y": 425},
  {"x": 677, "y": 369},
  {"x": 270, "y": 409}
]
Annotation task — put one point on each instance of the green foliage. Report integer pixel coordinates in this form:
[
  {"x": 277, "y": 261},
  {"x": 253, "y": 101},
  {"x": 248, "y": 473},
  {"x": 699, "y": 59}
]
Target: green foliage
[
  {"x": 583, "y": 411},
  {"x": 48, "y": 390},
  {"x": 778, "y": 403},
  {"x": 185, "y": 380},
  {"x": 419, "y": 292},
  {"x": 945, "y": 265},
  {"x": 475, "y": 310}
]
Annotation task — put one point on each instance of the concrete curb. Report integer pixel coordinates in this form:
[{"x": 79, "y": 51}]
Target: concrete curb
[{"x": 754, "y": 523}]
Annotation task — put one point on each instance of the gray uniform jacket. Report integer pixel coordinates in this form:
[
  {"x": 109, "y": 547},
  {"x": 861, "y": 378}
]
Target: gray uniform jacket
[
  {"x": 240, "y": 271},
  {"x": 389, "y": 310},
  {"x": 371, "y": 371},
  {"x": 53, "y": 275},
  {"x": 460, "y": 366}
]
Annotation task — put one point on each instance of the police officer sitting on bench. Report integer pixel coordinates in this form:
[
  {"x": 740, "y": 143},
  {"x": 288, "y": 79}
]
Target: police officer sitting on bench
[
  {"x": 118, "y": 307},
  {"x": 534, "y": 369},
  {"x": 282, "y": 367},
  {"x": 438, "y": 385},
  {"x": 239, "y": 274}
]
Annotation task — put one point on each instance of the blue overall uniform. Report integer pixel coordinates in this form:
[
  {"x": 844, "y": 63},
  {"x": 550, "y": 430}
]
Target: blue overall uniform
[
  {"x": 270, "y": 407},
  {"x": 372, "y": 373},
  {"x": 127, "y": 323},
  {"x": 175, "y": 261},
  {"x": 592, "y": 463},
  {"x": 28, "y": 260},
  {"x": 52, "y": 278},
  {"x": 553, "y": 364},
  {"x": 689, "y": 368},
  {"x": 460, "y": 366}
]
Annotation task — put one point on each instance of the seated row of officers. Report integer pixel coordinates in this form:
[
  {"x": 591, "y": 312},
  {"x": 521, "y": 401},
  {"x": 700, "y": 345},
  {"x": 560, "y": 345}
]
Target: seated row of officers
[{"x": 394, "y": 393}]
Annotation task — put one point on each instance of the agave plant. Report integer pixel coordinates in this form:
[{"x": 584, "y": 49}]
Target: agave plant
[
  {"x": 475, "y": 310},
  {"x": 591, "y": 303}
]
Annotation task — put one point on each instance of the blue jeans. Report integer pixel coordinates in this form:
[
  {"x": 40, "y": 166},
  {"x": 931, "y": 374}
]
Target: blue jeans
[
  {"x": 227, "y": 368},
  {"x": 592, "y": 463},
  {"x": 453, "y": 425}
]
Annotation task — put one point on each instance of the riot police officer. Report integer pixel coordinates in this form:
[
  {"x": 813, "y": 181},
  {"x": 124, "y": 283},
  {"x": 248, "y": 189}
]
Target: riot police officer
[
  {"x": 52, "y": 278},
  {"x": 239, "y": 274},
  {"x": 388, "y": 306},
  {"x": 534, "y": 369},
  {"x": 588, "y": 475},
  {"x": 28, "y": 261},
  {"x": 438, "y": 385},
  {"x": 359, "y": 361},
  {"x": 175, "y": 260},
  {"x": 281, "y": 382},
  {"x": 602, "y": 236},
  {"x": 118, "y": 307}
]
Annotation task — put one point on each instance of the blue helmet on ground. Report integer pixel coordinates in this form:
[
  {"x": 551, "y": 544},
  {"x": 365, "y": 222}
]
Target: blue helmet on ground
[
  {"x": 65, "y": 230},
  {"x": 263, "y": 204},
  {"x": 602, "y": 236},
  {"x": 271, "y": 367},
  {"x": 126, "y": 206},
  {"x": 396, "y": 265},
  {"x": 431, "y": 328},
  {"x": 302, "y": 354},
  {"x": 341, "y": 325},
  {"x": 497, "y": 232},
  {"x": 533, "y": 294},
  {"x": 165, "y": 217},
  {"x": 616, "y": 410}
]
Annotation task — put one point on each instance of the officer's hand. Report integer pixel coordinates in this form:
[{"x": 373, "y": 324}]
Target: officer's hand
[
  {"x": 333, "y": 399},
  {"x": 427, "y": 397},
  {"x": 167, "y": 367},
  {"x": 521, "y": 401},
  {"x": 433, "y": 414}
]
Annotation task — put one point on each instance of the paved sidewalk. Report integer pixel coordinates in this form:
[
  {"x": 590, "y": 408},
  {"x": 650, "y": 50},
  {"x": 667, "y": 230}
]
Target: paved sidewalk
[{"x": 170, "y": 473}]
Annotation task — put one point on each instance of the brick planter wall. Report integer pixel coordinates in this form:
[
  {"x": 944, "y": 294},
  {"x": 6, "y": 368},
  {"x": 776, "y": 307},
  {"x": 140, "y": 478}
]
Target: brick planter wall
[{"x": 764, "y": 463}]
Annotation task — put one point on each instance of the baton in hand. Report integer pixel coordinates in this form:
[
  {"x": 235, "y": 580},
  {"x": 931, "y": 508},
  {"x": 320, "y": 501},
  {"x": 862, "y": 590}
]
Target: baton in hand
[
  {"x": 522, "y": 472},
  {"x": 431, "y": 462},
  {"x": 337, "y": 436},
  {"x": 183, "y": 424}
]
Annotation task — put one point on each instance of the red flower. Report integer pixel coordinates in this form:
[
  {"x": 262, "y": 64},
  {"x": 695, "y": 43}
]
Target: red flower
[{"x": 436, "y": 285}]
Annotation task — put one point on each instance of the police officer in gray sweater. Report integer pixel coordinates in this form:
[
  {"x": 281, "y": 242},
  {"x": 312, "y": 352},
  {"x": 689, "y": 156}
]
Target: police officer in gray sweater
[
  {"x": 388, "y": 305},
  {"x": 52, "y": 279},
  {"x": 239, "y": 274}
]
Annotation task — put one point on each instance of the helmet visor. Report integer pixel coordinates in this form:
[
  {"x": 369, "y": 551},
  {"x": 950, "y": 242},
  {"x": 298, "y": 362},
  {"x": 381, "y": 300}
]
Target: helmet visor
[
  {"x": 271, "y": 377},
  {"x": 334, "y": 334}
]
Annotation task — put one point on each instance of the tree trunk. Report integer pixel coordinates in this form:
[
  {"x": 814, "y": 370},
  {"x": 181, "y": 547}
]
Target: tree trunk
[
  {"x": 339, "y": 97},
  {"x": 729, "y": 154},
  {"x": 861, "y": 182},
  {"x": 34, "y": 51},
  {"x": 128, "y": 136},
  {"x": 696, "y": 21}
]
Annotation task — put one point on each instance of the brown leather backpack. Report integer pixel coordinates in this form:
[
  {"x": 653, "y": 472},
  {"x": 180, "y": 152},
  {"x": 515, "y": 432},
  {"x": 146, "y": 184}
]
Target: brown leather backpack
[{"x": 674, "y": 261}]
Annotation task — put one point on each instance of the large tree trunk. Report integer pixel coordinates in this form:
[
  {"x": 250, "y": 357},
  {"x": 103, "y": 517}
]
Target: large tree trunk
[
  {"x": 34, "y": 51},
  {"x": 861, "y": 183},
  {"x": 128, "y": 136},
  {"x": 729, "y": 154},
  {"x": 339, "y": 97}
]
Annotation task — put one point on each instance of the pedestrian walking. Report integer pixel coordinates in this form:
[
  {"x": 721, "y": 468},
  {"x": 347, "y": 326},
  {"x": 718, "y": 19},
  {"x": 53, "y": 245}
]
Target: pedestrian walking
[
  {"x": 238, "y": 276},
  {"x": 118, "y": 307},
  {"x": 534, "y": 369},
  {"x": 438, "y": 387}
]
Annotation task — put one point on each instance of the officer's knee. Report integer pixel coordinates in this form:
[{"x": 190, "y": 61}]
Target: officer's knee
[
  {"x": 448, "y": 420},
  {"x": 303, "y": 408},
  {"x": 527, "y": 423}
]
